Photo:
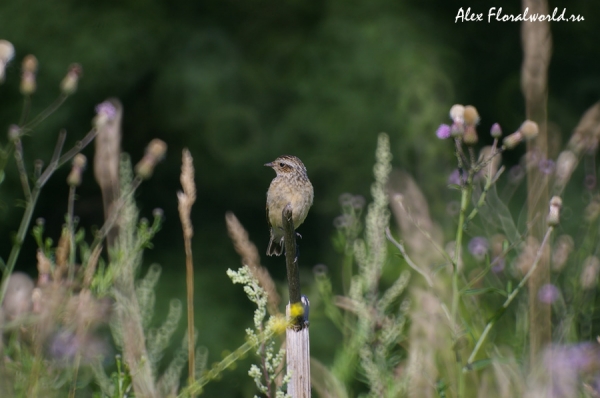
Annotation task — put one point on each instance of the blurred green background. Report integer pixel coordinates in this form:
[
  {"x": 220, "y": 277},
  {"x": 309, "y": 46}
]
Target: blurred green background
[{"x": 242, "y": 82}]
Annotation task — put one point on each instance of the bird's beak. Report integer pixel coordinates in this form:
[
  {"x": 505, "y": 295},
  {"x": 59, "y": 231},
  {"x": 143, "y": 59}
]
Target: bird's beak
[{"x": 270, "y": 164}]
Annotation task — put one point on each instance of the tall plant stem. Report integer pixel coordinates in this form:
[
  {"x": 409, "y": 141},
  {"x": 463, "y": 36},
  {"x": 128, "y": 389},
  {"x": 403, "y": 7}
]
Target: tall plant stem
[
  {"x": 464, "y": 203},
  {"x": 186, "y": 199},
  {"x": 189, "y": 277}
]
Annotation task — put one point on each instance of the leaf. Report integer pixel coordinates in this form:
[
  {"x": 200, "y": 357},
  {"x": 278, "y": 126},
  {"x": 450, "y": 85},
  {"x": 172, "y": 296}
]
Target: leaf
[{"x": 455, "y": 186}]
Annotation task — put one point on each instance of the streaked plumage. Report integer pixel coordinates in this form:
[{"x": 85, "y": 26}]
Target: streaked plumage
[{"x": 291, "y": 185}]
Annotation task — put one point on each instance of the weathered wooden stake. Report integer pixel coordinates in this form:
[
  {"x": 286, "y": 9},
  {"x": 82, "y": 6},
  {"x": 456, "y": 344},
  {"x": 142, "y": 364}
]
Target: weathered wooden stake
[{"x": 297, "y": 338}]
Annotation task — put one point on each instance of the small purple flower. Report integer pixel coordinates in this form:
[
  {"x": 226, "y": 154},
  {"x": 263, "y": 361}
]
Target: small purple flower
[
  {"x": 443, "y": 132},
  {"x": 547, "y": 166},
  {"x": 456, "y": 178},
  {"x": 496, "y": 131},
  {"x": 548, "y": 293},
  {"x": 498, "y": 264},
  {"x": 566, "y": 365},
  {"x": 64, "y": 345},
  {"x": 107, "y": 110},
  {"x": 478, "y": 247},
  {"x": 578, "y": 357}
]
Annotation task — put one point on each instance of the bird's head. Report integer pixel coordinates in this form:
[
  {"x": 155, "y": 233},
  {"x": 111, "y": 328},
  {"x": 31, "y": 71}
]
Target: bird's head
[{"x": 287, "y": 165}]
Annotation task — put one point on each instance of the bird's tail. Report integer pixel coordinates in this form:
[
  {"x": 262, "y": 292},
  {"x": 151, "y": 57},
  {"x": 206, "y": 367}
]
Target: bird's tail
[{"x": 275, "y": 247}]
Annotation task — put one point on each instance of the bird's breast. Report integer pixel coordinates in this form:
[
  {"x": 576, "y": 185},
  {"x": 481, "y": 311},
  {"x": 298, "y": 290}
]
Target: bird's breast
[{"x": 298, "y": 193}]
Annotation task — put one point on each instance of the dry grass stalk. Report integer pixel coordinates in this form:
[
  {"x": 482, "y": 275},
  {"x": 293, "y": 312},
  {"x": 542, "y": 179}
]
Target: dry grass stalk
[
  {"x": 537, "y": 50},
  {"x": 107, "y": 159},
  {"x": 188, "y": 196},
  {"x": 250, "y": 257},
  {"x": 186, "y": 200},
  {"x": 430, "y": 349}
]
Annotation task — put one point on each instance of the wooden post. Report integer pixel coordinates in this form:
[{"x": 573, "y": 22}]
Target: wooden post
[
  {"x": 297, "y": 337},
  {"x": 298, "y": 360}
]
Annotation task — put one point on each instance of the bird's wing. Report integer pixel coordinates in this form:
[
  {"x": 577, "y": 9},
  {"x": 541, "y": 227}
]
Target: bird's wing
[{"x": 268, "y": 220}]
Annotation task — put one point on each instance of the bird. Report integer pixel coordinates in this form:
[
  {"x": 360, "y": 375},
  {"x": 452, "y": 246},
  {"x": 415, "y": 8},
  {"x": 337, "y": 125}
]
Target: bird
[{"x": 291, "y": 185}]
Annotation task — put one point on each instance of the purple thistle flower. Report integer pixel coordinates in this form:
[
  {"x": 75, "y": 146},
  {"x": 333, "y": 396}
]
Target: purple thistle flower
[
  {"x": 107, "y": 110},
  {"x": 64, "y": 345},
  {"x": 578, "y": 357},
  {"x": 498, "y": 264},
  {"x": 478, "y": 247},
  {"x": 443, "y": 132},
  {"x": 568, "y": 365},
  {"x": 456, "y": 178},
  {"x": 548, "y": 293},
  {"x": 546, "y": 166},
  {"x": 496, "y": 131}
]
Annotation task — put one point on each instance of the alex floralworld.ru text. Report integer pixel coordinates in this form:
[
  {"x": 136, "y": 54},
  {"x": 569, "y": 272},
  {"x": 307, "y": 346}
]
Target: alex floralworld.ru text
[{"x": 495, "y": 14}]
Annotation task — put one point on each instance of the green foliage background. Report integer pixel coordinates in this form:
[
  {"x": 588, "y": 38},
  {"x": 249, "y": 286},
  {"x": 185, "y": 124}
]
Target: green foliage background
[{"x": 240, "y": 83}]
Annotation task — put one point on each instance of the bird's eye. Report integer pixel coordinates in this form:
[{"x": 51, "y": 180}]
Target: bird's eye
[{"x": 281, "y": 164}]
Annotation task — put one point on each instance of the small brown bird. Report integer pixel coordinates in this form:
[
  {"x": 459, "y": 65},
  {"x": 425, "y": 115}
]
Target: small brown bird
[{"x": 291, "y": 185}]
